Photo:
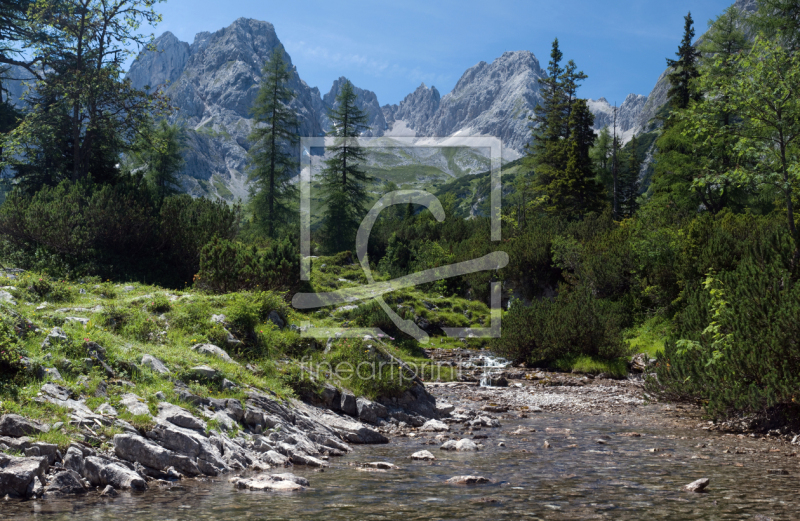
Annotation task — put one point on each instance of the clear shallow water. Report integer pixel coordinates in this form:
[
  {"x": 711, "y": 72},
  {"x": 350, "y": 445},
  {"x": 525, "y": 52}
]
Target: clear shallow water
[{"x": 619, "y": 480}]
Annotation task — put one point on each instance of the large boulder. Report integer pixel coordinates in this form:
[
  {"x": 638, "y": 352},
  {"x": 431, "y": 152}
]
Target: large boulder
[
  {"x": 196, "y": 445},
  {"x": 73, "y": 460},
  {"x": 101, "y": 473},
  {"x": 347, "y": 404},
  {"x": 179, "y": 416},
  {"x": 16, "y": 426},
  {"x": 48, "y": 450},
  {"x": 369, "y": 411},
  {"x": 641, "y": 362},
  {"x": 17, "y": 475},
  {"x": 131, "y": 447}
]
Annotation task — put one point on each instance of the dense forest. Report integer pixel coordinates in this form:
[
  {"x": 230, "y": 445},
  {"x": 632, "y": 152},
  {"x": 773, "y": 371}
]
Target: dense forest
[{"x": 682, "y": 243}]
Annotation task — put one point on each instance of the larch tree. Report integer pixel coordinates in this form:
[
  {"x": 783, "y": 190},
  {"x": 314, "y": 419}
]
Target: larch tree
[{"x": 274, "y": 136}]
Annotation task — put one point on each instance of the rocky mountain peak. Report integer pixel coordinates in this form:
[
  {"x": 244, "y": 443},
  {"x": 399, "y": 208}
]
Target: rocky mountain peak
[
  {"x": 414, "y": 111},
  {"x": 492, "y": 99},
  {"x": 366, "y": 100}
]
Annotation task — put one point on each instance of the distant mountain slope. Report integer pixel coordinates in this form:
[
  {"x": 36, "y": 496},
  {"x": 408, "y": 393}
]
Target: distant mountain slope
[
  {"x": 627, "y": 115},
  {"x": 213, "y": 83}
]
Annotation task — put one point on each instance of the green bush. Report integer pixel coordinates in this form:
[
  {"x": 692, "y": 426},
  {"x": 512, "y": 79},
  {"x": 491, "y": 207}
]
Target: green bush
[
  {"x": 37, "y": 288},
  {"x": 119, "y": 231},
  {"x": 574, "y": 323},
  {"x": 158, "y": 304},
  {"x": 11, "y": 352},
  {"x": 227, "y": 266},
  {"x": 736, "y": 345}
]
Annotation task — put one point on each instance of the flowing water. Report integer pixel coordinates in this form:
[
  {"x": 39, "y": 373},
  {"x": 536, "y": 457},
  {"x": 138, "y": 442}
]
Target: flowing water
[
  {"x": 492, "y": 365},
  {"x": 577, "y": 478}
]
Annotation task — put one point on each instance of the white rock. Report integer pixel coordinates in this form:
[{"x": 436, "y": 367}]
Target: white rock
[
  {"x": 434, "y": 426},
  {"x": 423, "y": 455}
]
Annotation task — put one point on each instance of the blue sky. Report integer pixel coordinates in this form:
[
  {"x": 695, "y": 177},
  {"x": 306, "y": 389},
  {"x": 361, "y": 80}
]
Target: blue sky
[{"x": 391, "y": 47}]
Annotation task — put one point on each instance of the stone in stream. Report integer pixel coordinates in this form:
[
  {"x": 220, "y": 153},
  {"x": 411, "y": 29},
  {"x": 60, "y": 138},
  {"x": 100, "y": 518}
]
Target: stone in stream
[
  {"x": 275, "y": 482},
  {"x": 697, "y": 486},
  {"x": 16, "y": 426},
  {"x": 100, "y": 472},
  {"x": 65, "y": 483},
  {"x": 444, "y": 408},
  {"x": 17, "y": 475},
  {"x": 462, "y": 445},
  {"x": 423, "y": 455},
  {"x": 468, "y": 480},
  {"x": 383, "y": 465},
  {"x": 546, "y": 444},
  {"x": 434, "y": 426}
]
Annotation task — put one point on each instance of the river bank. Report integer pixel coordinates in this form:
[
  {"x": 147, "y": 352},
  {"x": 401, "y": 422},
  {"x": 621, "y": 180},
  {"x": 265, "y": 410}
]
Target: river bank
[{"x": 593, "y": 448}]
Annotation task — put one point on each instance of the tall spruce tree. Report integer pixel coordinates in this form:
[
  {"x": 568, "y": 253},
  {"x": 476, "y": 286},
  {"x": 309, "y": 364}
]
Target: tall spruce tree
[
  {"x": 343, "y": 181},
  {"x": 573, "y": 191},
  {"x": 546, "y": 151},
  {"x": 684, "y": 69},
  {"x": 274, "y": 135}
]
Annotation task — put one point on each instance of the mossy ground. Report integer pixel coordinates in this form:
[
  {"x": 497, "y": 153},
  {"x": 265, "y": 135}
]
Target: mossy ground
[{"x": 130, "y": 320}]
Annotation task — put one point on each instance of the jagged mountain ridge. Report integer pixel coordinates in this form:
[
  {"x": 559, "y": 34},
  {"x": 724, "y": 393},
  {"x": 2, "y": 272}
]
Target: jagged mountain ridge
[{"x": 214, "y": 81}]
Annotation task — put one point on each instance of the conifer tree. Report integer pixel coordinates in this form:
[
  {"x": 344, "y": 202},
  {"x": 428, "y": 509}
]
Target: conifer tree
[
  {"x": 570, "y": 81},
  {"x": 684, "y": 69},
  {"x": 546, "y": 151},
  {"x": 274, "y": 135},
  {"x": 573, "y": 190},
  {"x": 158, "y": 152},
  {"x": 343, "y": 181}
]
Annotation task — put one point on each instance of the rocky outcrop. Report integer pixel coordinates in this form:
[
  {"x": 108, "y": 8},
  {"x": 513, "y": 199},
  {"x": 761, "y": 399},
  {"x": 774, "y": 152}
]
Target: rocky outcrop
[{"x": 213, "y": 83}]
